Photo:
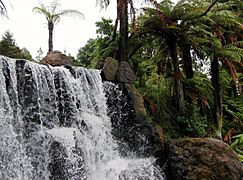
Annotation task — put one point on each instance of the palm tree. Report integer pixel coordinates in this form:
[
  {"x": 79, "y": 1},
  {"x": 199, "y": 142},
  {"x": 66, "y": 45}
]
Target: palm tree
[
  {"x": 221, "y": 20},
  {"x": 122, "y": 16},
  {"x": 162, "y": 23},
  {"x": 53, "y": 15},
  {"x": 209, "y": 22}
]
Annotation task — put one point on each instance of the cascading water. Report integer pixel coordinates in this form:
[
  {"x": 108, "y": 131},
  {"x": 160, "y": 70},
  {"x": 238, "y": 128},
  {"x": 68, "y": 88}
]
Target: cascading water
[{"x": 54, "y": 125}]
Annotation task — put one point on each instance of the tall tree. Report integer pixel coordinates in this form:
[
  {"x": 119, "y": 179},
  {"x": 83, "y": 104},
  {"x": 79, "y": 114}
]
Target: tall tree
[
  {"x": 122, "y": 17},
  {"x": 53, "y": 16},
  {"x": 162, "y": 23},
  {"x": 8, "y": 47},
  {"x": 221, "y": 19}
]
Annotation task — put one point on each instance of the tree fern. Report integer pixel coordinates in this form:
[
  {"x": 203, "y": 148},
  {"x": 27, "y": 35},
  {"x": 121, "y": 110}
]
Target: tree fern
[{"x": 238, "y": 44}]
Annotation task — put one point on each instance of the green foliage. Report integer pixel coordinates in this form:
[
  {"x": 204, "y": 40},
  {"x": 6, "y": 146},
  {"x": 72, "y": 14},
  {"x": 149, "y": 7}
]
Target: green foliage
[
  {"x": 199, "y": 90},
  {"x": 205, "y": 29},
  {"x": 100, "y": 47},
  {"x": 237, "y": 145},
  {"x": 105, "y": 28},
  {"x": 87, "y": 54},
  {"x": 193, "y": 122},
  {"x": 232, "y": 105},
  {"x": 9, "y": 48}
]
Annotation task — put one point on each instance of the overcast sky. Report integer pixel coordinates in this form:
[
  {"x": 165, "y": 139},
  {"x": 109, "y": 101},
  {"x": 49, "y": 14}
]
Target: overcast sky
[{"x": 30, "y": 29}]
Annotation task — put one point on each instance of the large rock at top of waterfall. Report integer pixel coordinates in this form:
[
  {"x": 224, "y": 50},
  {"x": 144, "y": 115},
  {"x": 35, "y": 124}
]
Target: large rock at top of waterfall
[
  {"x": 125, "y": 73},
  {"x": 110, "y": 68},
  {"x": 56, "y": 58},
  {"x": 202, "y": 158}
]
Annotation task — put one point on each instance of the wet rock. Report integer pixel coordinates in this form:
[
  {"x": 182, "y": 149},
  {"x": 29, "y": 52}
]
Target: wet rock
[
  {"x": 125, "y": 73},
  {"x": 137, "y": 99},
  {"x": 100, "y": 64},
  {"x": 110, "y": 69},
  {"x": 202, "y": 158},
  {"x": 11, "y": 92},
  {"x": 56, "y": 58},
  {"x": 62, "y": 167},
  {"x": 132, "y": 129},
  {"x": 28, "y": 98},
  {"x": 66, "y": 107}
]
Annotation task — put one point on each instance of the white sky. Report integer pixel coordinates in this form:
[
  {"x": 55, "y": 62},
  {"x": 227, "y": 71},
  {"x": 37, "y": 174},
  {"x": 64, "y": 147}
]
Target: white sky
[{"x": 30, "y": 29}]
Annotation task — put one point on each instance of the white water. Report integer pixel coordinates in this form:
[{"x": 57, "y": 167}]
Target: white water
[{"x": 40, "y": 140}]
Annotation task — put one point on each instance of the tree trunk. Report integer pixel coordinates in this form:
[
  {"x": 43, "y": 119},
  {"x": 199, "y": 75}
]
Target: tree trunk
[
  {"x": 123, "y": 30},
  {"x": 50, "y": 41},
  {"x": 179, "y": 93},
  {"x": 218, "y": 111},
  {"x": 187, "y": 61},
  {"x": 116, "y": 22}
]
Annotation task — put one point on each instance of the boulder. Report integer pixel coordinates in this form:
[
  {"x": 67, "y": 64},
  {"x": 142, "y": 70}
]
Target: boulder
[
  {"x": 110, "y": 69},
  {"x": 125, "y": 73},
  {"x": 100, "y": 64},
  {"x": 56, "y": 58},
  {"x": 202, "y": 158},
  {"x": 137, "y": 99}
]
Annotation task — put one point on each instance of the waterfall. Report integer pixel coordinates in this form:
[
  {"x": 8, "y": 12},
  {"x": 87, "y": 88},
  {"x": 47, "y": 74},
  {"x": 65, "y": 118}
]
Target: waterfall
[{"x": 54, "y": 125}]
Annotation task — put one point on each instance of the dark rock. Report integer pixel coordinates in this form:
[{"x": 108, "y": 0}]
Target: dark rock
[
  {"x": 64, "y": 168},
  {"x": 131, "y": 128},
  {"x": 137, "y": 99},
  {"x": 28, "y": 98},
  {"x": 100, "y": 64},
  {"x": 202, "y": 158},
  {"x": 110, "y": 69},
  {"x": 56, "y": 58},
  {"x": 11, "y": 93},
  {"x": 125, "y": 73},
  {"x": 66, "y": 107},
  {"x": 71, "y": 70}
]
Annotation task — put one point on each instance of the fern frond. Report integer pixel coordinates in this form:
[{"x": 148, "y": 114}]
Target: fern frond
[
  {"x": 198, "y": 40},
  {"x": 234, "y": 49},
  {"x": 238, "y": 44},
  {"x": 229, "y": 55},
  {"x": 216, "y": 44}
]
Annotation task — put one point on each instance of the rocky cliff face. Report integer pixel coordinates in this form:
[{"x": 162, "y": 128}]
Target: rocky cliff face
[
  {"x": 130, "y": 125},
  {"x": 127, "y": 112}
]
